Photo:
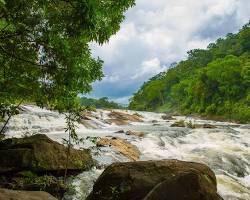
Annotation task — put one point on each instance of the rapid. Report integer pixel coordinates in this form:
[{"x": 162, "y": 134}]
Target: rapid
[{"x": 225, "y": 149}]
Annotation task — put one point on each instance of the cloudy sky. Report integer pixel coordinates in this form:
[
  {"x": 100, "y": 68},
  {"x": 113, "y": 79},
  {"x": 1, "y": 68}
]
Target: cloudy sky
[{"x": 157, "y": 33}]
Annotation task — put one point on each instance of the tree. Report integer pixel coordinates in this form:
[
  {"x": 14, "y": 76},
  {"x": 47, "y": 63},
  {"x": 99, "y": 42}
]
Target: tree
[
  {"x": 45, "y": 55},
  {"x": 44, "y": 47},
  {"x": 212, "y": 81}
]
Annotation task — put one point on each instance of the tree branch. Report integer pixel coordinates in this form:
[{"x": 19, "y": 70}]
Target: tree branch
[{"x": 21, "y": 59}]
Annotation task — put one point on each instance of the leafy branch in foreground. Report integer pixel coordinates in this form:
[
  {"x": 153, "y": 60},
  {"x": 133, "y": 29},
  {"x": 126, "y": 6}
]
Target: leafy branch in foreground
[{"x": 44, "y": 48}]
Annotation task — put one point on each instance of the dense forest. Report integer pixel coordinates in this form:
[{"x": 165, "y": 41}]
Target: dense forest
[
  {"x": 103, "y": 102},
  {"x": 210, "y": 82}
]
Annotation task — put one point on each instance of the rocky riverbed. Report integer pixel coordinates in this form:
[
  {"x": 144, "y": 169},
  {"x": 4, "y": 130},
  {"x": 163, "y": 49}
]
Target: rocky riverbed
[{"x": 128, "y": 135}]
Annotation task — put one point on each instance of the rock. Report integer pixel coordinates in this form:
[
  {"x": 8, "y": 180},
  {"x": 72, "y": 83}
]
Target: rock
[
  {"x": 154, "y": 121},
  {"x": 122, "y": 146},
  {"x": 39, "y": 153},
  {"x": 138, "y": 134},
  {"x": 6, "y": 194},
  {"x": 188, "y": 186},
  {"x": 141, "y": 180},
  {"x": 29, "y": 181},
  {"x": 167, "y": 117},
  {"x": 180, "y": 123},
  {"x": 120, "y": 131},
  {"x": 120, "y": 118},
  {"x": 85, "y": 117},
  {"x": 209, "y": 126}
]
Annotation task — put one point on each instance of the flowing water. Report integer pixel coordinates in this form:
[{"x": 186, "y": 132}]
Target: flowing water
[{"x": 225, "y": 149}]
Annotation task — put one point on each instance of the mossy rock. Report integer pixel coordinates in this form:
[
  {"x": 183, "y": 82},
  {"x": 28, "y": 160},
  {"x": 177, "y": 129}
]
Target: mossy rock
[
  {"x": 40, "y": 154},
  {"x": 29, "y": 181}
]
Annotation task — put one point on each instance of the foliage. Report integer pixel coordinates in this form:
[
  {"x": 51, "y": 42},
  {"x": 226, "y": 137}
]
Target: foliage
[
  {"x": 214, "y": 81},
  {"x": 44, "y": 48},
  {"x": 99, "y": 103},
  {"x": 48, "y": 183}
]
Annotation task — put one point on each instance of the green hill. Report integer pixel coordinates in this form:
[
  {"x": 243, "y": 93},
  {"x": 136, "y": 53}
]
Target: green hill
[{"x": 210, "y": 82}]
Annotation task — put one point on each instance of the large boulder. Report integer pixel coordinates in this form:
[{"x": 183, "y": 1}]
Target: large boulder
[
  {"x": 6, "y": 194},
  {"x": 40, "y": 154},
  {"x": 178, "y": 180},
  {"x": 186, "y": 186}
]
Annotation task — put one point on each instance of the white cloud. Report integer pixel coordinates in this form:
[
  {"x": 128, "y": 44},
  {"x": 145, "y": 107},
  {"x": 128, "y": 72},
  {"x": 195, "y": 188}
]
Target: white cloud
[
  {"x": 157, "y": 33},
  {"x": 110, "y": 78},
  {"x": 150, "y": 68}
]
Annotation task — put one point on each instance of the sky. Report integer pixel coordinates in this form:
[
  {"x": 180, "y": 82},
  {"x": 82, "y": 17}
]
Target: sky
[{"x": 157, "y": 33}]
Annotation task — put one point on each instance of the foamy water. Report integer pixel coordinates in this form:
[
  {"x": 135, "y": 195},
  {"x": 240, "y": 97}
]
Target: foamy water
[{"x": 225, "y": 149}]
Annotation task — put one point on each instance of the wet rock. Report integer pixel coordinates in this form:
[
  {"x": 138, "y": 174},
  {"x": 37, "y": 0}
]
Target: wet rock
[
  {"x": 138, "y": 134},
  {"x": 168, "y": 117},
  {"x": 6, "y": 194},
  {"x": 144, "y": 179},
  {"x": 39, "y": 153},
  {"x": 85, "y": 117},
  {"x": 120, "y": 118},
  {"x": 209, "y": 126},
  {"x": 120, "y": 131},
  {"x": 122, "y": 146},
  {"x": 154, "y": 121},
  {"x": 180, "y": 123},
  {"x": 188, "y": 186}
]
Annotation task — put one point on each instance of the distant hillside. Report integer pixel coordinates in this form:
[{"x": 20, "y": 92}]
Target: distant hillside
[
  {"x": 211, "y": 82},
  {"x": 99, "y": 103}
]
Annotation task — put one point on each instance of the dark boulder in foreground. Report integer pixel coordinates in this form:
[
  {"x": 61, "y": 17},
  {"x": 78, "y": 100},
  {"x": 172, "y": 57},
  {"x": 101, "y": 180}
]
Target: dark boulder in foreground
[
  {"x": 24, "y": 195},
  {"x": 156, "y": 180},
  {"x": 186, "y": 186},
  {"x": 40, "y": 154}
]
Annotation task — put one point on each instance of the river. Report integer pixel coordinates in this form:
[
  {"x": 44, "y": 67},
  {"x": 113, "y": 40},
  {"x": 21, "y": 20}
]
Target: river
[{"x": 225, "y": 149}]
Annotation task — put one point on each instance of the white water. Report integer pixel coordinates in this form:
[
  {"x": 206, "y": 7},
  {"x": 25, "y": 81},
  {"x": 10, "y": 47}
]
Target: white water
[{"x": 225, "y": 149}]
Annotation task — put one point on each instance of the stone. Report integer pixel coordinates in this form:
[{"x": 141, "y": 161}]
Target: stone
[
  {"x": 167, "y": 117},
  {"x": 210, "y": 126},
  {"x": 121, "y": 145},
  {"x": 141, "y": 180},
  {"x": 6, "y": 194},
  {"x": 186, "y": 186},
  {"x": 120, "y": 118},
  {"x": 120, "y": 131},
  {"x": 137, "y": 134},
  {"x": 40, "y": 154},
  {"x": 180, "y": 123}
]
